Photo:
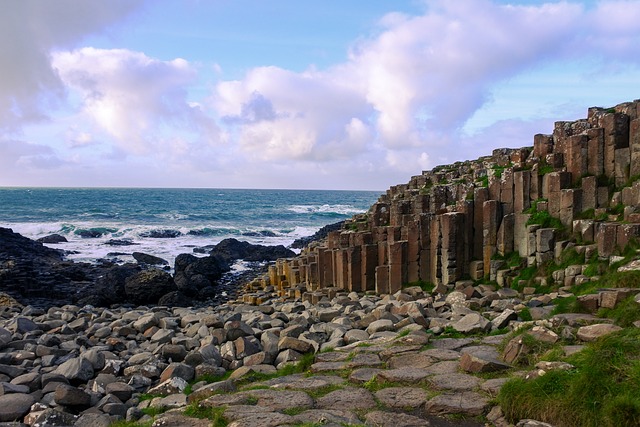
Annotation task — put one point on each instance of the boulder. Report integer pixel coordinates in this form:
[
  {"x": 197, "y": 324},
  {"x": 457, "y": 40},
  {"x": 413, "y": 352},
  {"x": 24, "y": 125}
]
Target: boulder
[
  {"x": 143, "y": 258},
  {"x": 77, "y": 370},
  {"x": 472, "y": 323},
  {"x": 68, "y": 395},
  {"x": 147, "y": 287},
  {"x": 52, "y": 238},
  {"x": 231, "y": 250},
  {"x": 15, "y": 406},
  {"x": 593, "y": 332}
]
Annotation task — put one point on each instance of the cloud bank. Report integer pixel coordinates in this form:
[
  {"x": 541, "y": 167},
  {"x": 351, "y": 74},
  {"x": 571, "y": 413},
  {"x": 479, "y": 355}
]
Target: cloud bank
[{"x": 397, "y": 105}]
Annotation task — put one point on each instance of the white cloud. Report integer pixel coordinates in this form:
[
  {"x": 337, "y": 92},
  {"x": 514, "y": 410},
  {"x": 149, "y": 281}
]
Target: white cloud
[
  {"x": 284, "y": 115},
  {"x": 29, "y": 30},
  {"x": 410, "y": 89},
  {"x": 140, "y": 101}
]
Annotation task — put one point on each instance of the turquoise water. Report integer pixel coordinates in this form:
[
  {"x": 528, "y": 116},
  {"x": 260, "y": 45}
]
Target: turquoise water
[{"x": 193, "y": 217}]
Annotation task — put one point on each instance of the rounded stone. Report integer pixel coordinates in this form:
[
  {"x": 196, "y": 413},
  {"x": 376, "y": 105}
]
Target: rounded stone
[{"x": 15, "y": 406}]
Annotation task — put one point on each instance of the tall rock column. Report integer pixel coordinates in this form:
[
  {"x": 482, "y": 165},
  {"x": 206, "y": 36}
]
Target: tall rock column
[
  {"x": 492, "y": 213},
  {"x": 634, "y": 146},
  {"x": 452, "y": 252}
]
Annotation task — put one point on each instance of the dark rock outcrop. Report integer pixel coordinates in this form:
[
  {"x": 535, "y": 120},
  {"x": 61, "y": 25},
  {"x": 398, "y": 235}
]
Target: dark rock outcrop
[
  {"x": 161, "y": 234},
  {"x": 53, "y": 238},
  {"x": 148, "y": 286},
  {"x": 13, "y": 246},
  {"x": 110, "y": 288},
  {"x": 230, "y": 250},
  {"x": 143, "y": 258}
]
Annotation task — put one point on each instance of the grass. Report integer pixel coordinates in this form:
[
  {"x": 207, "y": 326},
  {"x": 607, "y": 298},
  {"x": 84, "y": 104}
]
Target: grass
[
  {"x": 125, "y": 423},
  {"x": 620, "y": 279},
  {"x": 374, "y": 384},
  {"x": 299, "y": 367},
  {"x": 544, "y": 220},
  {"x": 404, "y": 333},
  {"x": 322, "y": 391},
  {"x": 215, "y": 414},
  {"x": 425, "y": 286},
  {"x": 545, "y": 168},
  {"x": 153, "y": 411},
  {"x": 567, "y": 305},
  {"x": 602, "y": 390},
  {"x": 624, "y": 314},
  {"x": 525, "y": 274},
  {"x": 525, "y": 315}
]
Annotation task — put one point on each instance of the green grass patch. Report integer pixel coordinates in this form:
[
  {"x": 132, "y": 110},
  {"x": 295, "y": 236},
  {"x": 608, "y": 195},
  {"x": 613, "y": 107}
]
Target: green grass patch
[
  {"x": 125, "y": 423},
  {"x": 323, "y": 391},
  {"x": 153, "y": 411},
  {"x": 545, "y": 168},
  {"x": 587, "y": 214},
  {"x": 603, "y": 390},
  {"x": 374, "y": 384},
  {"x": 620, "y": 279},
  {"x": 404, "y": 333},
  {"x": 525, "y": 315},
  {"x": 215, "y": 414},
  {"x": 294, "y": 411},
  {"x": 617, "y": 209},
  {"x": 544, "y": 220},
  {"x": 425, "y": 286},
  {"x": 624, "y": 314},
  {"x": 567, "y": 305},
  {"x": 525, "y": 274}
]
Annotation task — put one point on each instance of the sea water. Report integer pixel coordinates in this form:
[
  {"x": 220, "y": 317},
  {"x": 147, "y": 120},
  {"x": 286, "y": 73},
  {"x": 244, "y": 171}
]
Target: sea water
[{"x": 168, "y": 222}]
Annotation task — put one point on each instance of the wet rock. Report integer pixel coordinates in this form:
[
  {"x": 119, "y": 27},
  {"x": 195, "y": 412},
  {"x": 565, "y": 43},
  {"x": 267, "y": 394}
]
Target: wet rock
[
  {"x": 143, "y": 258},
  {"x": 53, "y": 238}
]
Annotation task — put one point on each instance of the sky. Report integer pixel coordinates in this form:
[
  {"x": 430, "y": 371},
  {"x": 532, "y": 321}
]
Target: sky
[{"x": 290, "y": 94}]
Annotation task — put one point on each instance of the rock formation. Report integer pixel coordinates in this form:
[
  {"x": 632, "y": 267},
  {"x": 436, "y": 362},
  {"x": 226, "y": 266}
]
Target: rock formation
[{"x": 577, "y": 186}]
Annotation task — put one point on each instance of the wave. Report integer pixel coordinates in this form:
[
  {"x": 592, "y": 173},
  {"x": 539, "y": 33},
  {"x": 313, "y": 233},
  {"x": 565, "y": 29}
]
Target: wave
[
  {"x": 89, "y": 242},
  {"x": 325, "y": 209}
]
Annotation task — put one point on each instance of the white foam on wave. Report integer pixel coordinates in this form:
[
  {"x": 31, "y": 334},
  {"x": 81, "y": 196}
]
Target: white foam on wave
[
  {"x": 326, "y": 209},
  {"x": 82, "y": 249}
]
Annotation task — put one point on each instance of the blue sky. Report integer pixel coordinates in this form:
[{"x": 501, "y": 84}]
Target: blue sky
[{"x": 284, "y": 94}]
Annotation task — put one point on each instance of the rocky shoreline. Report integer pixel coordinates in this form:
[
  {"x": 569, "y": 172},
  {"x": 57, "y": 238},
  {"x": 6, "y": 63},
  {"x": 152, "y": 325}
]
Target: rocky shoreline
[
  {"x": 40, "y": 276},
  {"x": 414, "y": 358}
]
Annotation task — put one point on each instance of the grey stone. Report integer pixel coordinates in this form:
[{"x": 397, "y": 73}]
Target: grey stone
[
  {"x": 68, "y": 395},
  {"x": 593, "y": 332},
  {"x": 472, "y": 323},
  {"x": 15, "y": 406},
  {"x": 465, "y": 403},
  {"x": 476, "y": 364},
  {"x": 402, "y": 397},
  {"x": 52, "y": 417},
  {"x": 76, "y": 370},
  {"x": 454, "y": 382},
  {"x": 120, "y": 390},
  {"x": 406, "y": 374},
  {"x": 279, "y": 400},
  {"x": 381, "y": 325},
  {"x": 414, "y": 360},
  {"x": 347, "y": 399},
  {"x": 327, "y": 416},
  {"x": 93, "y": 420},
  {"x": 383, "y": 419}
]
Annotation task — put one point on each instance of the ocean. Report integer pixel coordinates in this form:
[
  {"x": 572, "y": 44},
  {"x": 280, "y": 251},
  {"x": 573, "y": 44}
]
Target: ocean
[{"x": 112, "y": 223}]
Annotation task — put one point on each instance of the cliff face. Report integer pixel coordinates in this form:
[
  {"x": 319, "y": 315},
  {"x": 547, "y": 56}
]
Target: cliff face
[{"x": 578, "y": 186}]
